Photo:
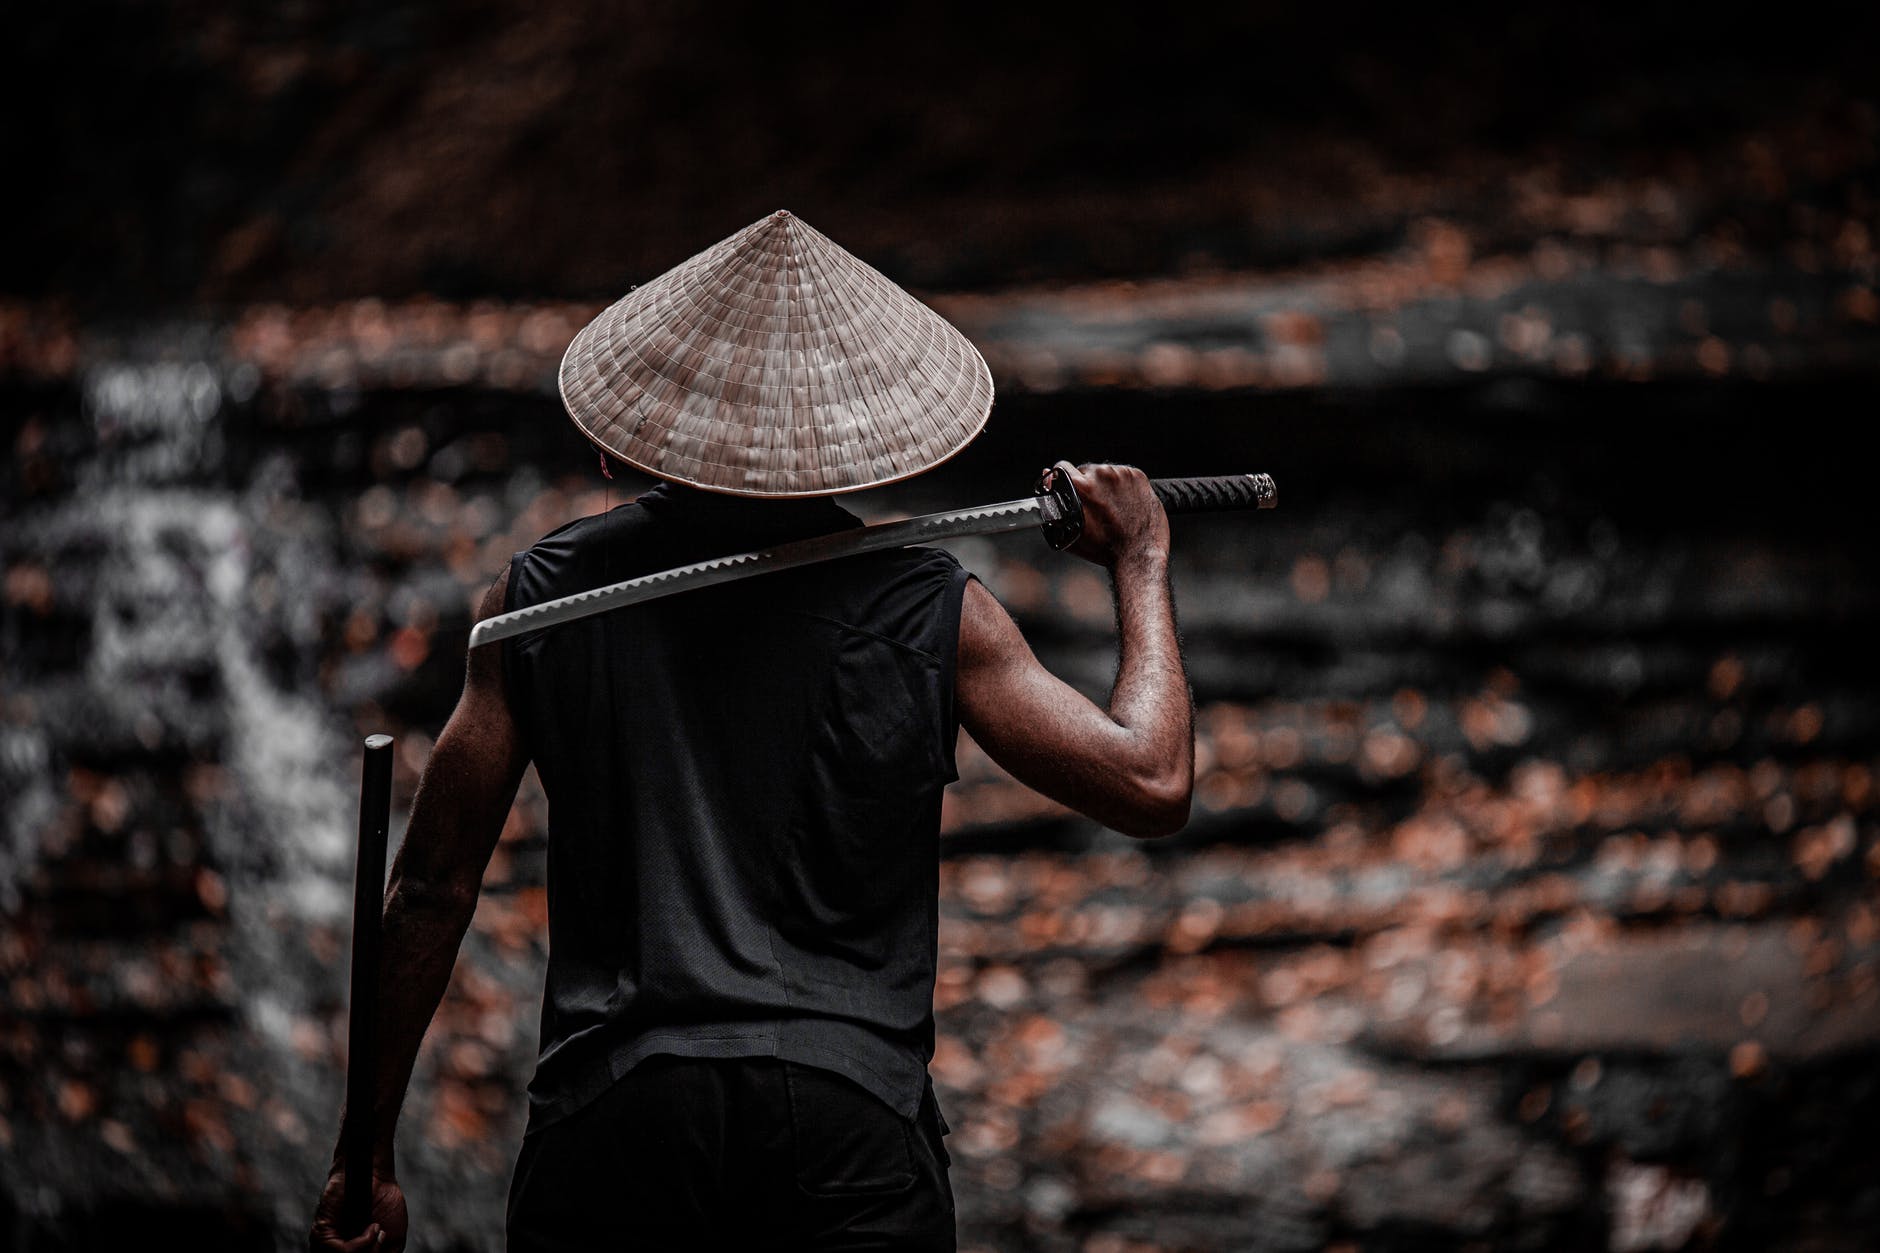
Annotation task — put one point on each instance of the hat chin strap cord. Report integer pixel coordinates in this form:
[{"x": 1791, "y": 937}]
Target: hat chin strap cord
[{"x": 1056, "y": 511}]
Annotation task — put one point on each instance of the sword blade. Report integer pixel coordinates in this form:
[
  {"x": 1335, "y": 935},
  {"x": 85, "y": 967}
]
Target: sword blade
[{"x": 1012, "y": 515}]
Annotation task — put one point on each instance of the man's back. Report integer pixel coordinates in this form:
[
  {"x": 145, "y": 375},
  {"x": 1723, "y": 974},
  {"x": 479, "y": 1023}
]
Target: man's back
[
  {"x": 744, "y": 787},
  {"x": 739, "y": 1137},
  {"x": 744, "y": 783}
]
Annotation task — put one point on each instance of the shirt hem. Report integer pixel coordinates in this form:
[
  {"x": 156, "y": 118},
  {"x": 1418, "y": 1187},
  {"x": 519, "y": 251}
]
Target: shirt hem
[{"x": 776, "y": 1040}]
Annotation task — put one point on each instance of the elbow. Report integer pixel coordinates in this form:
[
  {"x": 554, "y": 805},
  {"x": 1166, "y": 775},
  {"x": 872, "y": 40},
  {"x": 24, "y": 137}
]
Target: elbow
[
  {"x": 1161, "y": 806},
  {"x": 445, "y": 895}
]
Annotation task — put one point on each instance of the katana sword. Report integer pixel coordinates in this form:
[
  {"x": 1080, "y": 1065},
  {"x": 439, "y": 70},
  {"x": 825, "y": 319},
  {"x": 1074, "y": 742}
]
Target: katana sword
[{"x": 1055, "y": 509}]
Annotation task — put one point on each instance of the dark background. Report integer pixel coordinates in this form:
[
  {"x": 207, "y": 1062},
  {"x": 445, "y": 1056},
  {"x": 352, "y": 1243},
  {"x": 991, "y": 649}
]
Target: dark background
[{"x": 1530, "y": 899}]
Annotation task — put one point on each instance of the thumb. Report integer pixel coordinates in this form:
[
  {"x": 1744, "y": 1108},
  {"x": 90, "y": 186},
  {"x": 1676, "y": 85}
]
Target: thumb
[{"x": 366, "y": 1241}]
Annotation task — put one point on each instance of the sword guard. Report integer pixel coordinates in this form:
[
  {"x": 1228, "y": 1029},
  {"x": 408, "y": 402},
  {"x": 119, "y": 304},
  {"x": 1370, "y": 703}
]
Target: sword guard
[{"x": 1063, "y": 512}]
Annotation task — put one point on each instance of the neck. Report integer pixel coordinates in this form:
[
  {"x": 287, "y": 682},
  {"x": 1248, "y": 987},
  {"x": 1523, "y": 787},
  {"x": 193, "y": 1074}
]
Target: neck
[{"x": 677, "y": 500}]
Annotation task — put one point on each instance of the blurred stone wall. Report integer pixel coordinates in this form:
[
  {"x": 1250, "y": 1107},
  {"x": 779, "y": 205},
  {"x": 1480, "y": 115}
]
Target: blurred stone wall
[{"x": 1529, "y": 900}]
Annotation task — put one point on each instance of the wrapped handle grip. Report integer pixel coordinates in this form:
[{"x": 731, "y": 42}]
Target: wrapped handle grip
[
  {"x": 1064, "y": 513},
  {"x": 1215, "y": 493}
]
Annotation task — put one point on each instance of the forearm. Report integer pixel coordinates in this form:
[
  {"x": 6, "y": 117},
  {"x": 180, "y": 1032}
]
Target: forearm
[
  {"x": 1150, "y": 699},
  {"x": 456, "y": 819},
  {"x": 423, "y": 930},
  {"x": 1131, "y": 766}
]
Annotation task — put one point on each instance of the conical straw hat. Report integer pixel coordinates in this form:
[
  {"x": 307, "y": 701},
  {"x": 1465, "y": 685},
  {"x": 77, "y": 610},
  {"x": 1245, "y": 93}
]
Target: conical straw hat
[{"x": 775, "y": 364}]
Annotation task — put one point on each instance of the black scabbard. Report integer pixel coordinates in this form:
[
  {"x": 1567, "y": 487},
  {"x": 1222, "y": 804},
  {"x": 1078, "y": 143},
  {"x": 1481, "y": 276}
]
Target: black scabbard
[{"x": 362, "y": 1026}]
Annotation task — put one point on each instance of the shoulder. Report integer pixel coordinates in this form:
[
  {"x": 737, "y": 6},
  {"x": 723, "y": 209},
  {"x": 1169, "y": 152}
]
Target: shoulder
[
  {"x": 922, "y": 562},
  {"x": 495, "y": 597},
  {"x": 915, "y": 596},
  {"x": 568, "y": 558},
  {"x": 914, "y": 575},
  {"x": 588, "y": 530},
  {"x": 484, "y": 666}
]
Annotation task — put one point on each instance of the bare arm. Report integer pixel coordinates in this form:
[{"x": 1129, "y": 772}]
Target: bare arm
[
  {"x": 1131, "y": 767},
  {"x": 463, "y": 798}
]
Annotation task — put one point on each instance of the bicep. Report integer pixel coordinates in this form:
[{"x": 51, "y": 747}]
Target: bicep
[
  {"x": 468, "y": 784},
  {"x": 1046, "y": 733},
  {"x": 483, "y": 719}
]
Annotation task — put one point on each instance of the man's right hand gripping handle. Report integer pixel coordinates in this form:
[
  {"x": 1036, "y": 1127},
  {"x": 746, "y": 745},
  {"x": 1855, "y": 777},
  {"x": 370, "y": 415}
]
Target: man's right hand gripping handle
[{"x": 1123, "y": 519}]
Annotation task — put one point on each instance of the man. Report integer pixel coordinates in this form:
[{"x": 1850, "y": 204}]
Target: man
[{"x": 745, "y": 780}]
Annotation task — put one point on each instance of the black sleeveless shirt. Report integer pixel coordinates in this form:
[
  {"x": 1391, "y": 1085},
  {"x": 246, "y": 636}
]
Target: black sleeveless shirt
[{"x": 744, "y": 797}]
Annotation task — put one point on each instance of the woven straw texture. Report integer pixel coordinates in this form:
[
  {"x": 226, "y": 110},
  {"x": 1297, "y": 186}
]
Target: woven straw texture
[{"x": 775, "y": 364}]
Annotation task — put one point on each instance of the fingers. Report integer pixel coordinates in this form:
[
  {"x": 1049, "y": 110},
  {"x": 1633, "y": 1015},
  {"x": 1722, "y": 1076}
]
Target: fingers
[
  {"x": 1109, "y": 485},
  {"x": 1088, "y": 475},
  {"x": 1080, "y": 482},
  {"x": 1115, "y": 472},
  {"x": 326, "y": 1240}
]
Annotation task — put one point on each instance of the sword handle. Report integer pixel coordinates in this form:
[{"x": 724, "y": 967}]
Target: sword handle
[
  {"x": 1064, "y": 513},
  {"x": 1216, "y": 493},
  {"x": 362, "y": 1018}
]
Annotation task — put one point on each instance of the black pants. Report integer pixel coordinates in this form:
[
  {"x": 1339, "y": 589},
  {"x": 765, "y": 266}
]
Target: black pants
[{"x": 738, "y": 1153}]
